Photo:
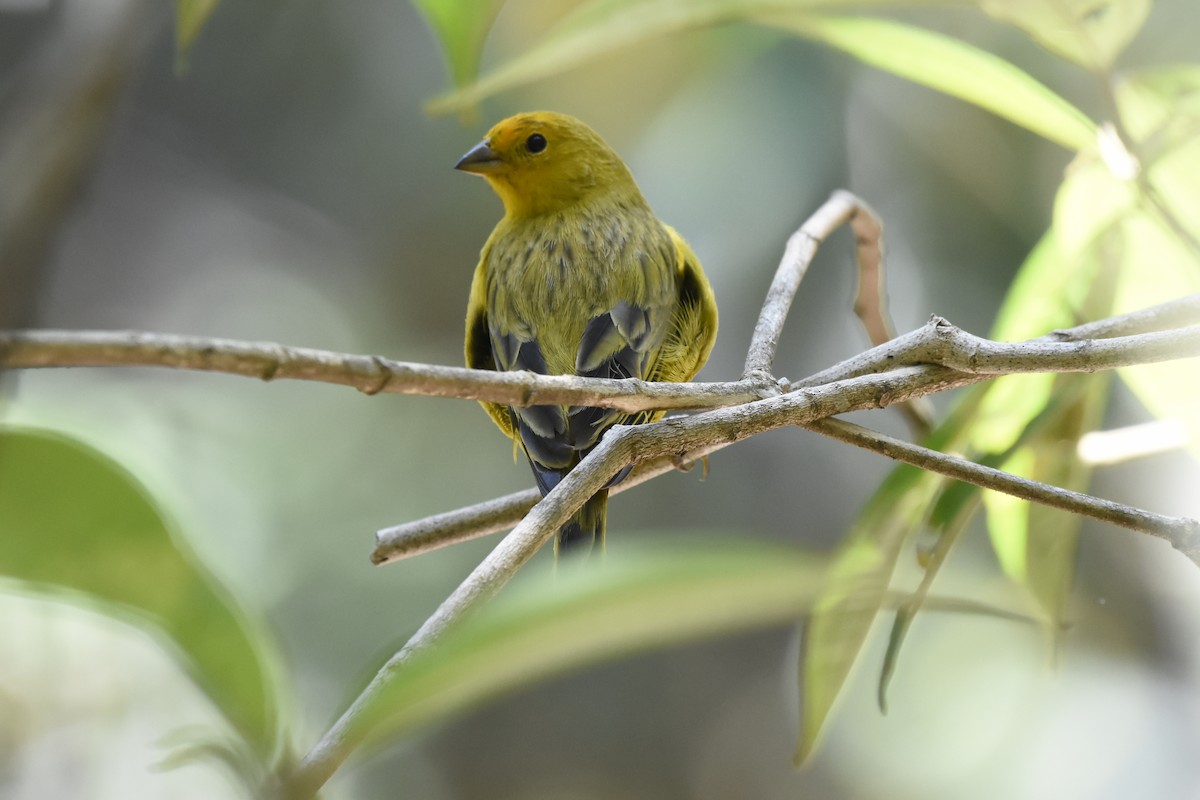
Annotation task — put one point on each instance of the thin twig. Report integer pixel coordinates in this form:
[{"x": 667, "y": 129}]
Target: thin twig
[
  {"x": 369, "y": 374},
  {"x": 1178, "y": 313},
  {"x": 491, "y": 516},
  {"x": 799, "y": 253},
  {"x": 1182, "y": 532},
  {"x": 870, "y": 301},
  {"x": 923, "y": 346}
]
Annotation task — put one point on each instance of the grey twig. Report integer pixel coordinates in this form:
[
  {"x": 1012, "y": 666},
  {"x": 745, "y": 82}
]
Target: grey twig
[
  {"x": 491, "y": 516},
  {"x": 1182, "y": 532},
  {"x": 268, "y": 361},
  {"x": 840, "y": 208}
]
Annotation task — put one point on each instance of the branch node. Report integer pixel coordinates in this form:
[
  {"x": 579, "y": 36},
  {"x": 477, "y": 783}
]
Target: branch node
[
  {"x": 384, "y": 373},
  {"x": 273, "y": 365}
]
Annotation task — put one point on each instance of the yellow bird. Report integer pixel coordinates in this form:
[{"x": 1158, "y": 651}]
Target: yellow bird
[{"x": 578, "y": 278}]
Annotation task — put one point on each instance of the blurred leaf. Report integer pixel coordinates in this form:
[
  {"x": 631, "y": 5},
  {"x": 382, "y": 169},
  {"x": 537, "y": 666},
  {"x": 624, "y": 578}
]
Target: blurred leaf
[
  {"x": 1161, "y": 109},
  {"x": 950, "y": 531},
  {"x": 1089, "y": 202},
  {"x": 1037, "y": 546},
  {"x": 1155, "y": 215},
  {"x": 857, "y": 585},
  {"x": 1032, "y": 422},
  {"x": 956, "y": 505},
  {"x": 644, "y": 597},
  {"x": 952, "y": 67},
  {"x": 604, "y": 26},
  {"x": 1044, "y": 296},
  {"x": 1091, "y": 33},
  {"x": 1161, "y": 269},
  {"x": 190, "y": 18},
  {"x": 999, "y": 420},
  {"x": 74, "y": 523},
  {"x": 461, "y": 26}
]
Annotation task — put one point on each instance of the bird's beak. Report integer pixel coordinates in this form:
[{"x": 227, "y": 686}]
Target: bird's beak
[{"x": 480, "y": 159}]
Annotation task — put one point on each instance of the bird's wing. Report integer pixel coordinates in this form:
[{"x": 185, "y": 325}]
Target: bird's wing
[
  {"x": 693, "y": 327},
  {"x": 478, "y": 347}
]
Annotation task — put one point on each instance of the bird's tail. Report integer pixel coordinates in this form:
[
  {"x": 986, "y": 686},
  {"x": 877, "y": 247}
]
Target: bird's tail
[{"x": 584, "y": 532}]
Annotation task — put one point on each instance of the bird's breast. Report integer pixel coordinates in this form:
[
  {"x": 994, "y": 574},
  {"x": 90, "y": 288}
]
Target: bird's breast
[{"x": 546, "y": 278}]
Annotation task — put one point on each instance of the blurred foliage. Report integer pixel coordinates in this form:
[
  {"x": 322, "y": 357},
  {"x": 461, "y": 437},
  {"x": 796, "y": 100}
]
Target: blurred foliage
[
  {"x": 462, "y": 27},
  {"x": 190, "y": 18},
  {"x": 79, "y": 527},
  {"x": 550, "y": 623},
  {"x": 1124, "y": 235}
]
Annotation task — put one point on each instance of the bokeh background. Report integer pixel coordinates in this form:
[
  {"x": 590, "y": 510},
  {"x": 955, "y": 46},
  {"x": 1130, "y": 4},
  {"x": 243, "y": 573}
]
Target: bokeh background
[{"x": 287, "y": 186}]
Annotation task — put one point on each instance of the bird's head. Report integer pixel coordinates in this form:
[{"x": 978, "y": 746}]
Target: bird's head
[{"x": 542, "y": 162}]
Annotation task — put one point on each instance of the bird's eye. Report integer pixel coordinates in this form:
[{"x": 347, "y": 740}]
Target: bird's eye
[{"x": 536, "y": 143}]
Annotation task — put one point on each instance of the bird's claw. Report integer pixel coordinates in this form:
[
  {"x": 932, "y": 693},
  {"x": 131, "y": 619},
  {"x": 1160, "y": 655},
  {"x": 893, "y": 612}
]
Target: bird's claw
[{"x": 684, "y": 465}]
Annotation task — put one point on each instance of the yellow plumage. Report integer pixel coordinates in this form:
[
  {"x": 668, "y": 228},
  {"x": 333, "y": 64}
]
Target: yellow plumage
[{"x": 581, "y": 278}]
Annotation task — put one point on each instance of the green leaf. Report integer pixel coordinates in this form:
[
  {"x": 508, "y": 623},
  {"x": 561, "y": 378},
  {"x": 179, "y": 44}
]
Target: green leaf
[
  {"x": 645, "y": 597},
  {"x": 1161, "y": 268},
  {"x": 604, "y": 26},
  {"x": 1091, "y": 33},
  {"x": 1045, "y": 295},
  {"x": 1037, "y": 546},
  {"x": 75, "y": 524},
  {"x": 1152, "y": 215},
  {"x": 190, "y": 18},
  {"x": 461, "y": 26},
  {"x": 950, "y": 66},
  {"x": 858, "y": 580},
  {"x": 1161, "y": 109},
  {"x": 963, "y": 497}
]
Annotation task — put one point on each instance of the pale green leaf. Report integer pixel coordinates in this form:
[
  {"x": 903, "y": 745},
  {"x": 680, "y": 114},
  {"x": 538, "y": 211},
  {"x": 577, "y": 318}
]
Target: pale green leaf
[
  {"x": 1089, "y": 202},
  {"x": 858, "y": 580},
  {"x": 1091, "y": 33},
  {"x": 76, "y": 525},
  {"x": 461, "y": 27},
  {"x": 1036, "y": 546},
  {"x": 950, "y": 66},
  {"x": 190, "y": 18},
  {"x": 1045, "y": 295},
  {"x": 1155, "y": 215},
  {"x": 1162, "y": 269},
  {"x": 963, "y": 499},
  {"x": 601, "y": 27},
  {"x": 1161, "y": 108},
  {"x": 639, "y": 598}
]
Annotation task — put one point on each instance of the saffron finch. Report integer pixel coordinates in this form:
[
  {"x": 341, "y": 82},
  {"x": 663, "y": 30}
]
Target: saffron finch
[{"x": 578, "y": 278}]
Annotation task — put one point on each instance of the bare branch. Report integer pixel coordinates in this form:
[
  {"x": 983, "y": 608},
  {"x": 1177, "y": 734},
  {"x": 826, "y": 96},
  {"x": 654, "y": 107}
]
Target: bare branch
[
  {"x": 797, "y": 255},
  {"x": 1173, "y": 314},
  {"x": 955, "y": 348},
  {"x": 870, "y": 302},
  {"x": 1183, "y": 533},
  {"x": 440, "y": 530},
  {"x": 939, "y": 342},
  {"x": 369, "y": 374}
]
